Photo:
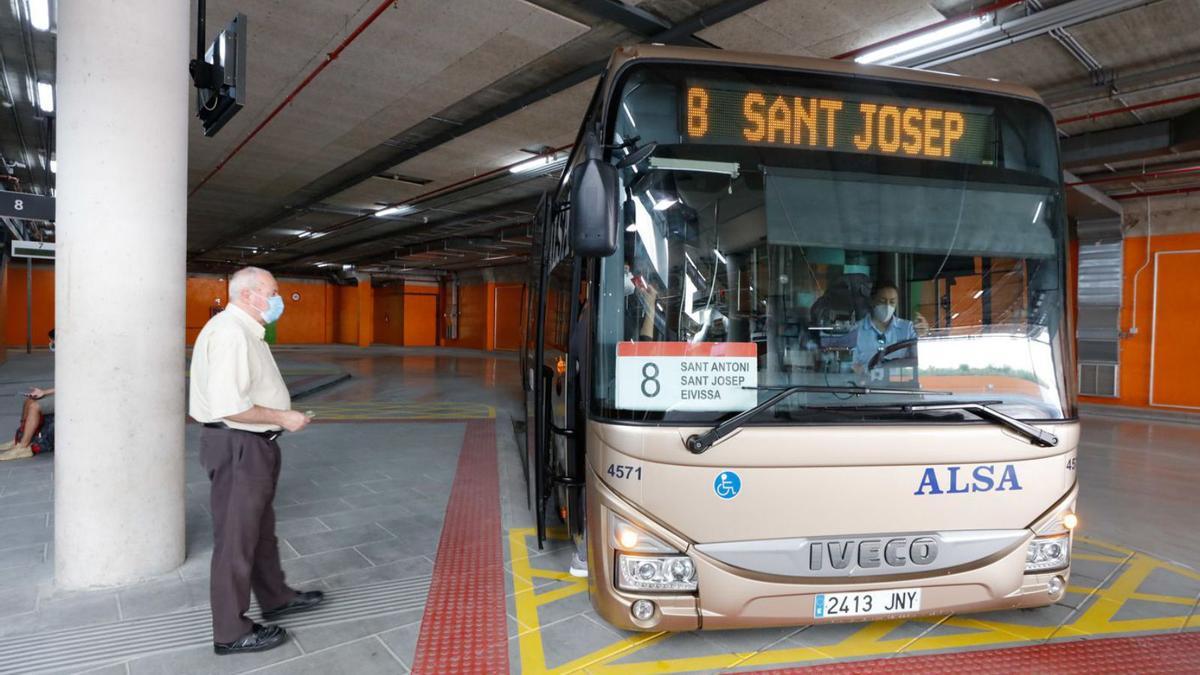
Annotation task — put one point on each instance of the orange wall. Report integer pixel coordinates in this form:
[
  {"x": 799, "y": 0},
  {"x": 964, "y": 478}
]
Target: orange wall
[
  {"x": 304, "y": 319},
  {"x": 203, "y": 292},
  {"x": 1135, "y": 348},
  {"x": 4, "y": 265},
  {"x": 421, "y": 314},
  {"x": 324, "y": 314},
  {"x": 345, "y": 309},
  {"x": 43, "y": 304},
  {"x": 472, "y": 316},
  {"x": 507, "y": 327},
  {"x": 389, "y": 315}
]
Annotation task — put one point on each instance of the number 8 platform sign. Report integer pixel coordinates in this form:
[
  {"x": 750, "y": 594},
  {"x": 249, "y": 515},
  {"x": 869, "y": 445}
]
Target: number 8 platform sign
[{"x": 686, "y": 376}]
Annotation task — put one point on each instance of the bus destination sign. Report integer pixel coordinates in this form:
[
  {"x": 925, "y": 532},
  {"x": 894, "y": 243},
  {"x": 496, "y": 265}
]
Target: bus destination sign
[{"x": 822, "y": 121}]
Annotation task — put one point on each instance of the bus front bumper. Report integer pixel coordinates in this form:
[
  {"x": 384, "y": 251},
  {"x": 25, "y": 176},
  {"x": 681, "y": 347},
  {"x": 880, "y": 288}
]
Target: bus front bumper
[{"x": 729, "y": 597}]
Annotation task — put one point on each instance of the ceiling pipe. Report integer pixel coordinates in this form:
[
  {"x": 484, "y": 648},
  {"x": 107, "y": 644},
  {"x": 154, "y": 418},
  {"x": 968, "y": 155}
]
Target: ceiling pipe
[
  {"x": 1157, "y": 193},
  {"x": 1137, "y": 176},
  {"x": 1129, "y": 108},
  {"x": 329, "y": 58}
]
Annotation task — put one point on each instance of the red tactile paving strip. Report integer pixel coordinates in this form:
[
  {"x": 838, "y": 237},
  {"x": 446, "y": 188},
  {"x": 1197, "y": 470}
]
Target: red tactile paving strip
[
  {"x": 464, "y": 629},
  {"x": 1175, "y": 653}
]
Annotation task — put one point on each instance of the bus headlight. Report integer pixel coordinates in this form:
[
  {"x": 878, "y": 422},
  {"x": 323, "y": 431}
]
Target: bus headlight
[
  {"x": 628, "y": 537},
  {"x": 655, "y": 573},
  {"x": 1048, "y": 553}
]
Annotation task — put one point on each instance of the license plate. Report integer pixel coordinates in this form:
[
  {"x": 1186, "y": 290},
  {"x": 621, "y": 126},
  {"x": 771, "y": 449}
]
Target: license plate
[{"x": 829, "y": 605}]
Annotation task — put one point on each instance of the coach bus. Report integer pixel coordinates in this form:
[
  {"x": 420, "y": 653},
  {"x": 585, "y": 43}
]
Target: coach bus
[{"x": 798, "y": 348}]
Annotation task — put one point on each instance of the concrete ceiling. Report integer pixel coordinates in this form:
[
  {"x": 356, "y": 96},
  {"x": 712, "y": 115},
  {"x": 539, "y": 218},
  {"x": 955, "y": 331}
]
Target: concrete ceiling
[{"x": 443, "y": 93}]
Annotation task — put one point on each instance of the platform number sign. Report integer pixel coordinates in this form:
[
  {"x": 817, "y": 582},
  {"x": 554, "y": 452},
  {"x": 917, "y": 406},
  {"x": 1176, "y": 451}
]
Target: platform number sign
[{"x": 26, "y": 206}]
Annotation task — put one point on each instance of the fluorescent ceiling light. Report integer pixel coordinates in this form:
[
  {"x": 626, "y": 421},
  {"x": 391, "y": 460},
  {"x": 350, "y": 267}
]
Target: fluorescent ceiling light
[
  {"x": 665, "y": 203},
  {"x": 535, "y": 163},
  {"x": 924, "y": 41},
  {"x": 394, "y": 211},
  {"x": 305, "y": 234},
  {"x": 39, "y": 14},
  {"x": 318, "y": 235},
  {"x": 45, "y": 96},
  {"x": 721, "y": 257},
  {"x": 54, "y": 166},
  {"x": 977, "y": 295},
  {"x": 1038, "y": 212}
]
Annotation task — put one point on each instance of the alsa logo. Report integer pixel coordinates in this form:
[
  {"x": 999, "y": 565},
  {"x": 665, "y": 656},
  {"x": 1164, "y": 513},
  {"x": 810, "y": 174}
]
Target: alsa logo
[{"x": 954, "y": 480}]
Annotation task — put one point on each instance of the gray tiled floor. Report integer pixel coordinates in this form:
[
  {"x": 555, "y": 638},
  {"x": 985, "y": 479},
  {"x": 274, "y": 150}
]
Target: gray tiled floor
[
  {"x": 362, "y": 504},
  {"x": 358, "y": 504}
]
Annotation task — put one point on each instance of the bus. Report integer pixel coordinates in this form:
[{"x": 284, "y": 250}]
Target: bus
[{"x": 798, "y": 348}]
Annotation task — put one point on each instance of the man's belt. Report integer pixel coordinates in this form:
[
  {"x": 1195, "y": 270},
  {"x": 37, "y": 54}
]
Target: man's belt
[{"x": 269, "y": 435}]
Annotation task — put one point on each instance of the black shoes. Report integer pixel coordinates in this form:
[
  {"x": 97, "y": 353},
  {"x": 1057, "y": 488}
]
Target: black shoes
[
  {"x": 303, "y": 600},
  {"x": 259, "y": 639}
]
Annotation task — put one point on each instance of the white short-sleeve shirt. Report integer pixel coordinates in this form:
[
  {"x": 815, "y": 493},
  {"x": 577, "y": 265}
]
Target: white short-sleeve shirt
[{"x": 233, "y": 370}]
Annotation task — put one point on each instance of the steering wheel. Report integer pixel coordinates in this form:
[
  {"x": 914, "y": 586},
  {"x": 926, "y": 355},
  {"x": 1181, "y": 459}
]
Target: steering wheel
[{"x": 890, "y": 349}]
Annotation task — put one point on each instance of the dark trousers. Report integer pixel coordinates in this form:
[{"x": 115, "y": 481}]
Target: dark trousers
[{"x": 244, "y": 469}]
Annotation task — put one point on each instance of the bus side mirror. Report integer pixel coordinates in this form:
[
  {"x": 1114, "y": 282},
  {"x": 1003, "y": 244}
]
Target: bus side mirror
[{"x": 594, "y": 209}]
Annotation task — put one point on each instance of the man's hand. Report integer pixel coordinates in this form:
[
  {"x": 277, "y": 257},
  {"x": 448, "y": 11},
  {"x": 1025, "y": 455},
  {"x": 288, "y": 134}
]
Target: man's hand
[
  {"x": 36, "y": 393},
  {"x": 920, "y": 325},
  {"x": 293, "y": 420}
]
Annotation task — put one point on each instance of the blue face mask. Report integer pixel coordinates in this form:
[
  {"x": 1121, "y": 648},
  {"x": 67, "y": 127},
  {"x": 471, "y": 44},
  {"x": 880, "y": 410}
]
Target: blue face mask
[{"x": 274, "y": 309}]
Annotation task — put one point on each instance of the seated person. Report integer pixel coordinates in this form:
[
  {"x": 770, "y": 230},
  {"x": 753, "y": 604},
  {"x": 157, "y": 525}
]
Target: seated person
[
  {"x": 640, "y": 307},
  {"x": 39, "y": 404},
  {"x": 883, "y": 328}
]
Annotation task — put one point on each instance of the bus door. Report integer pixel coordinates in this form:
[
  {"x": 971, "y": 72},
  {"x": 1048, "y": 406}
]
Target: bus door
[{"x": 555, "y": 308}]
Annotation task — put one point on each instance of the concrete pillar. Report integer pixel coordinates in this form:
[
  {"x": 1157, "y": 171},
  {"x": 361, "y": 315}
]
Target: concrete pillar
[
  {"x": 120, "y": 277},
  {"x": 366, "y": 310}
]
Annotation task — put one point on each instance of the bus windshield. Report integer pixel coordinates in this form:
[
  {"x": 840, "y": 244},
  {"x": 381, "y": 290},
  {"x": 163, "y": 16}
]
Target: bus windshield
[{"x": 809, "y": 229}]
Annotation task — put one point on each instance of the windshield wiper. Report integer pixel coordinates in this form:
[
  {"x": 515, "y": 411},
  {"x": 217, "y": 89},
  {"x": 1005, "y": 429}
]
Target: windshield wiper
[
  {"x": 981, "y": 409},
  {"x": 698, "y": 443},
  {"x": 984, "y": 410}
]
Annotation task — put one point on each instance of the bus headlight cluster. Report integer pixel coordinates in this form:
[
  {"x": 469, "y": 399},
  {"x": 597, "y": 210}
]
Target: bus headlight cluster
[
  {"x": 655, "y": 573},
  {"x": 1048, "y": 553}
]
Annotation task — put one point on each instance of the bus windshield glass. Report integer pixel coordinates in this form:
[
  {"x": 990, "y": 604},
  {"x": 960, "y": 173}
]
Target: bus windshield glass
[{"x": 811, "y": 229}]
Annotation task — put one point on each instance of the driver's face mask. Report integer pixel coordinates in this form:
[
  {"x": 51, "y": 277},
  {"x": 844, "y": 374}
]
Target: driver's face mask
[{"x": 629, "y": 288}]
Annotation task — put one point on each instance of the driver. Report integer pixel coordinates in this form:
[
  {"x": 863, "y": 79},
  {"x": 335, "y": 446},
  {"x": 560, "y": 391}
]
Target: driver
[{"x": 883, "y": 328}]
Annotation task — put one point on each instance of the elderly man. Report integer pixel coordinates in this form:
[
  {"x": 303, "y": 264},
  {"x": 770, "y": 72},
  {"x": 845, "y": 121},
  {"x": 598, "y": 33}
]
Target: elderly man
[{"x": 239, "y": 396}]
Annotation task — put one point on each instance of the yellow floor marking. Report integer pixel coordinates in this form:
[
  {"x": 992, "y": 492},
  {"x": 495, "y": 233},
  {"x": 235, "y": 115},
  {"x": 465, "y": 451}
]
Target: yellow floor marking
[
  {"x": 560, "y": 593},
  {"x": 1098, "y": 558},
  {"x": 869, "y": 640},
  {"x": 549, "y": 574},
  {"x": 400, "y": 410},
  {"x": 1168, "y": 599},
  {"x": 1104, "y": 544},
  {"x": 712, "y": 662}
]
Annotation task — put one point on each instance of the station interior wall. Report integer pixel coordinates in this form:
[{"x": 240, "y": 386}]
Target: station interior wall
[
  {"x": 1156, "y": 349},
  {"x": 412, "y": 313}
]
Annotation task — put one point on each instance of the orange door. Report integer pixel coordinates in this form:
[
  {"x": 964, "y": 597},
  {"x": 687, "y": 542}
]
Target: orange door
[
  {"x": 389, "y": 308},
  {"x": 508, "y": 317},
  {"x": 1176, "y": 325},
  {"x": 420, "y": 320}
]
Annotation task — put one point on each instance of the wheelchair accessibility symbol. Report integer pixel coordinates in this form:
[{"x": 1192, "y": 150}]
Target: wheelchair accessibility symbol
[{"x": 727, "y": 485}]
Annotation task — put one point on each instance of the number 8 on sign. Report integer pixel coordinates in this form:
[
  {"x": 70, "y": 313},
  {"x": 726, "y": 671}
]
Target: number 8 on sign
[{"x": 650, "y": 379}]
